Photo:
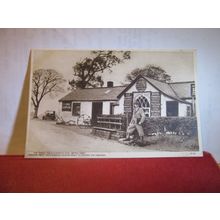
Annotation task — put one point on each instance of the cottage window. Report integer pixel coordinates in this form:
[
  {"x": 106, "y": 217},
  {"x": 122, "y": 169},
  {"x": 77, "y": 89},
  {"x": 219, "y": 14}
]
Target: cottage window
[
  {"x": 76, "y": 109},
  {"x": 172, "y": 108},
  {"x": 144, "y": 104},
  {"x": 66, "y": 106},
  {"x": 188, "y": 113},
  {"x": 193, "y": 94}
]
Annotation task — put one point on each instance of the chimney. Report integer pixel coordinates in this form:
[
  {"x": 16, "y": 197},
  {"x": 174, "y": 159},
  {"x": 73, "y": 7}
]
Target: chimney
[{"x": 110, "y": 84}]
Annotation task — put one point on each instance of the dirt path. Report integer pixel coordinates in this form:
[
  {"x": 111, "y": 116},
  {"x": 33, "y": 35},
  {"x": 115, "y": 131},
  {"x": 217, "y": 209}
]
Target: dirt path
[{"x": 46, "y": 136}]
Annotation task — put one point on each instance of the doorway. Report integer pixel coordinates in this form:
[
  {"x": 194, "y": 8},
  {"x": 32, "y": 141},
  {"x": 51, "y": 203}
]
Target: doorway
[{"x": 96, "y": 110}]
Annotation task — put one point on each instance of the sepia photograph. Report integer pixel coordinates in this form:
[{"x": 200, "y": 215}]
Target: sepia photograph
[{"x": 112, "y": 104}]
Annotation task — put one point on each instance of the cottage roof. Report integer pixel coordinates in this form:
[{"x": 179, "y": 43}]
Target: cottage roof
[
  {"x": 176, "y": 91},
  {"x": 94, "y": 94},
  {"x": 163, "y": 87},
  {"x": 182, "y": 89}
]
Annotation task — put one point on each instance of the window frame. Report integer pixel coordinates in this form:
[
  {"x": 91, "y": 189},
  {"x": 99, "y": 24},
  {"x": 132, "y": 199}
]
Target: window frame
[
  {"x": 64, "y": 108},
  {"x": 167, "y": 108},
  {"x": 193, "y": 90},
  {"x": 145, "y": 109},
  {"x": 188, "y": 110}
]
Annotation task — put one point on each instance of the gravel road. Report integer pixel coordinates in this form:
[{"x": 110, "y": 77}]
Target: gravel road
[{"x": 47, "y": 136}]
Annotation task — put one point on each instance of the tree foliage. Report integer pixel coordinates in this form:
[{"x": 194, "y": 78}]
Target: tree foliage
[
  {"x": 45, "y": 82},
  {"x": 151, "y": 71},
  {"x": 87, "y": 73}
]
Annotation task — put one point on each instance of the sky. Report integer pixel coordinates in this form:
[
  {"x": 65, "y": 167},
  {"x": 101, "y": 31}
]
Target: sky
[{"x": 178, "y": 64}]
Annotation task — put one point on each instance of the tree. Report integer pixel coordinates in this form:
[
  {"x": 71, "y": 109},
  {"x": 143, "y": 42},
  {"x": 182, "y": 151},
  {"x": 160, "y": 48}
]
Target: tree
[
  {"x": 45, "y": 82},
  {"x": 87, "y": 73},
  {"x": 151, "y": 71}
]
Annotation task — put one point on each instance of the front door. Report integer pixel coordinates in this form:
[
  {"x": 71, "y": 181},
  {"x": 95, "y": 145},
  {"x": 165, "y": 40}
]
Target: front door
[{"x": 96, "y": 110}]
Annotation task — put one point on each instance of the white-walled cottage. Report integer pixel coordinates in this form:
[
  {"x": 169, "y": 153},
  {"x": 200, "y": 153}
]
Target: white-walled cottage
[{"x": 158, "y": 99}]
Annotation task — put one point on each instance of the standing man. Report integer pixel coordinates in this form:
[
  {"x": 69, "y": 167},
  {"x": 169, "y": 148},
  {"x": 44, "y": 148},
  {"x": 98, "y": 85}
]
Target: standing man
[{"x": 137, "y": 120}]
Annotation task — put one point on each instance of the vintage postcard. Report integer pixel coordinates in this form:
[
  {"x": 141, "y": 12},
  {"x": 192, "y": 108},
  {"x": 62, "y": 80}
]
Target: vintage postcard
[{"x": 113, "y": 104}]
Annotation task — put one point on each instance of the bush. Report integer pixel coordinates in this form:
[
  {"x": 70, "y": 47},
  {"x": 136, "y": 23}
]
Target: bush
[
  {"x": 173, "y": 125},
  {"x": 161, "y": 125}
]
